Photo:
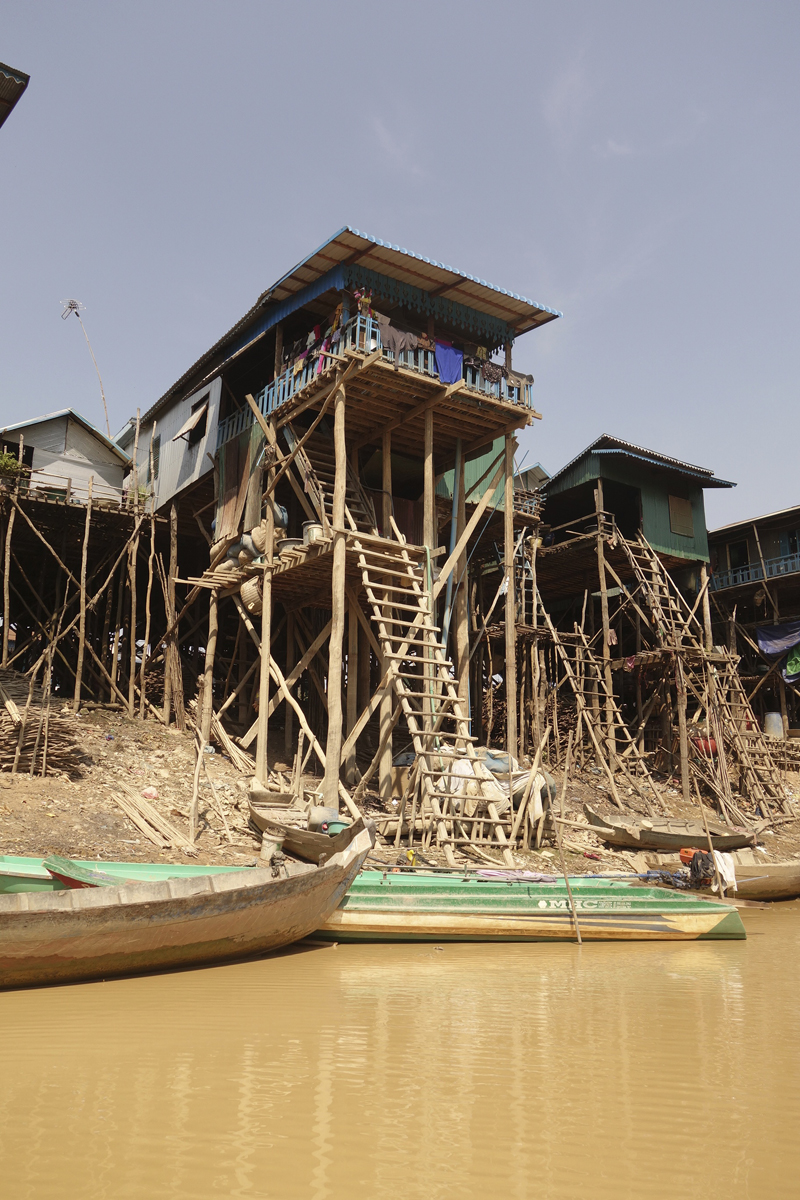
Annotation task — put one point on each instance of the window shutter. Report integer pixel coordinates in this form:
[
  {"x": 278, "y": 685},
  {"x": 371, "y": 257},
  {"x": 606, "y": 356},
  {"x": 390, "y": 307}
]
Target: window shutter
[{"x": 681, "y": 519}]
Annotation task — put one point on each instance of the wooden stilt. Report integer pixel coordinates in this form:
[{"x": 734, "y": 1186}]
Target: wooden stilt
[
  {"x": 206, "y": 711},
  {"x": 76, "y": 699},
  {"x": 461, "y": 610},
  {"x": 288, "y": 716},
  {"x": 7, "y": 585},
  {"x": 352, "y": 691},
  {"x": 387, "y": 703},
  {"x": 262, "y": 765},
  {"x": 333, "y": 749},
  {"x": 510, "y": 615},
  {"x": 709, "y": 639},
  {"x": 610, "y": 743}
]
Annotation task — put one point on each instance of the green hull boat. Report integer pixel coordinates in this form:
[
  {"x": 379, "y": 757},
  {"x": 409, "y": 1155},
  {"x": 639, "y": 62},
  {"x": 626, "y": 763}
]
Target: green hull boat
[
  {"x": 18, "y": 874},
  {"x": 415, "y": 907}
]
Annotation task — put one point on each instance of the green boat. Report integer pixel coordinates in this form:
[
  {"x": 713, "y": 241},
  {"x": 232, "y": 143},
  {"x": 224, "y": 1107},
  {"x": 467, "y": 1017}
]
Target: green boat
[
  {"x": 416, "y": 907},
  {"x": 18, "y": 874}
]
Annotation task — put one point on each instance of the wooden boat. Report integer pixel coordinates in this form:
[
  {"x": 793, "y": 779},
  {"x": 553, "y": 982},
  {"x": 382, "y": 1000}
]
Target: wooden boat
[
  {"x": 665, "y": 833},
  {"x": 768, "y": 881},
  {"x": 303, "y": 843},
  {"x": 99, "y": 932},
  {"x": 416, "y": 907},
  {"x": 18, "y": 874}
]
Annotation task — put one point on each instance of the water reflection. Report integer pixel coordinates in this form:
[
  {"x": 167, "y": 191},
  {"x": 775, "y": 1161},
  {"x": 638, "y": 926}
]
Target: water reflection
[{"x": 408, "y": 1071}]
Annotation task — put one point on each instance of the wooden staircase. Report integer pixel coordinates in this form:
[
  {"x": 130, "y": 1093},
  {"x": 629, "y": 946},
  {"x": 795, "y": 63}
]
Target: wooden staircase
[{"x": 317, "y": 464}]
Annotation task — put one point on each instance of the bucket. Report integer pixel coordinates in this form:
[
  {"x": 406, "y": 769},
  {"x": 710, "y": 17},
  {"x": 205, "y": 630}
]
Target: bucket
[
  {"x": 252, "y": 596},
  {"x": 773, "y": 724},
  {"x": 312, "y": 532}
]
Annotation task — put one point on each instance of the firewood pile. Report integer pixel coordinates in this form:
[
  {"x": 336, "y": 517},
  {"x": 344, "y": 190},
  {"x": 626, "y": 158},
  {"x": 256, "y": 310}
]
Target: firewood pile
[{"x": 36, "y": 737}]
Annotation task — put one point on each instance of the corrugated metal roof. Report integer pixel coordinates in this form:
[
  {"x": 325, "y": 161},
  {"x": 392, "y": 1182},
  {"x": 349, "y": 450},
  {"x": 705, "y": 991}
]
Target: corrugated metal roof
[
  {"x": 76, "y": 416},
  {"x": 12, "y": 85},
  {"x": 349, "y": 246},
  {"x": 606, "y": 444}
]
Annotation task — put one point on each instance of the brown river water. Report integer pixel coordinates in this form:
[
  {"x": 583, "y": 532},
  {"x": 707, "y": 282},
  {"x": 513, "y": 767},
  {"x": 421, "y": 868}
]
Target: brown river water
[{"x": 619, "y": 1070}]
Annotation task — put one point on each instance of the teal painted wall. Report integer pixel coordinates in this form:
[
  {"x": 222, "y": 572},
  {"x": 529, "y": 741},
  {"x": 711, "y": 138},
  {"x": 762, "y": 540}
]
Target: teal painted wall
[
  {"x": 656, "y": 486},
  {"x": 473, "y": 469}
]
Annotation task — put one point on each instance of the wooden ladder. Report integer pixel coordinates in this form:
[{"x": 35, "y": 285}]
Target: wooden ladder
[{"x": 416, "y": 666}]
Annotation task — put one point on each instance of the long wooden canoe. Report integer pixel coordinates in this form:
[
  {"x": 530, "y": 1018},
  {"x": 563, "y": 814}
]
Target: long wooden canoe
[
  {"x": 664, "y": 833},
  {"x": 99, "y": 932},
  {"x": 414, "y": 907}
]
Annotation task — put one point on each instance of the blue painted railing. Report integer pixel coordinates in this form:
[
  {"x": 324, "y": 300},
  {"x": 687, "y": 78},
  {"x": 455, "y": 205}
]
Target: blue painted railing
[
  {"x": 785, "y": 564},
  {"x": 361, "y": 334}
]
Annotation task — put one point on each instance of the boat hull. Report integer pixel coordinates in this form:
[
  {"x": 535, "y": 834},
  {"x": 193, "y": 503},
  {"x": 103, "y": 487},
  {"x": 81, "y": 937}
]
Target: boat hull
[
  {"x": 65, "y": 936},
  {"x": 664, "y": 835},
  {"x": 398, "y": 908}
]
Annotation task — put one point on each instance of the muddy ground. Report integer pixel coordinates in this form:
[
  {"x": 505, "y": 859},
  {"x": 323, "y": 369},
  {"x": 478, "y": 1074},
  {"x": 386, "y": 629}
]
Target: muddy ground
[{"x": 77, "y": 815}]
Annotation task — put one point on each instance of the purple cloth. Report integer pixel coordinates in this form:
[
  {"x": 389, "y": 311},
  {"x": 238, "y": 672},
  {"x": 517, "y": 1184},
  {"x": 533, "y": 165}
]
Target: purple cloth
[{"x": 449, "y": 363}]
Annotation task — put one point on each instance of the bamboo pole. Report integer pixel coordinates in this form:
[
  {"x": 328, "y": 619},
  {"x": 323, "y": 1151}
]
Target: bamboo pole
[{"x": 76, "y": 699}]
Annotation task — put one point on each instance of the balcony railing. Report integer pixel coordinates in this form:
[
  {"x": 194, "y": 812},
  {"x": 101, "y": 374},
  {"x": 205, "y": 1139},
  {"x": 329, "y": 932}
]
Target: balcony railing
[
  {"x": 362, "y": 334},
  {"x": 784, "y": 564}
]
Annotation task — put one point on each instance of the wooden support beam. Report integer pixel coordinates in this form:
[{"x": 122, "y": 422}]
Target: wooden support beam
[
  {"x": 352, "y": 691},
  {"x": 386, "y": 485},
  {"x": 288, "y": 740},
  {"x": 510, "y": 616},
  {"x": 272, "y": 440},
  {"x": 292, "y": 678},
  {"x": 601, "y": 564},
  {"x": 262, "y": 766},
  {"x": 471, "y": 525},
  {"x": 207, "y": 710},
  {"x": 76, "y": 698},
  {"x": 461, "y": 606},
  {"x": 333, "y": 749},
  {"x": 429, "y": 534}
]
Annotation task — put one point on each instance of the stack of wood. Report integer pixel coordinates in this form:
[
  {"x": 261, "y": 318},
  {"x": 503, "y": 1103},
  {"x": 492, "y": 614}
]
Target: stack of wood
[{"x": 36, "y": 737}]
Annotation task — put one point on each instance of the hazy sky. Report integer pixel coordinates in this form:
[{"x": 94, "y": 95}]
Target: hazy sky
[{"x": 634, "y": 165}]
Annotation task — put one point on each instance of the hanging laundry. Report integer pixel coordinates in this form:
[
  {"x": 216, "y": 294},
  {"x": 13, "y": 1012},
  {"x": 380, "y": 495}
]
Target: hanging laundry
[
  {"x": 449, "y": 362},
  {"x": 394, "y": 339},
  {"x": 493, "y": 372},
  {"x": 481, "y": 352}
]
